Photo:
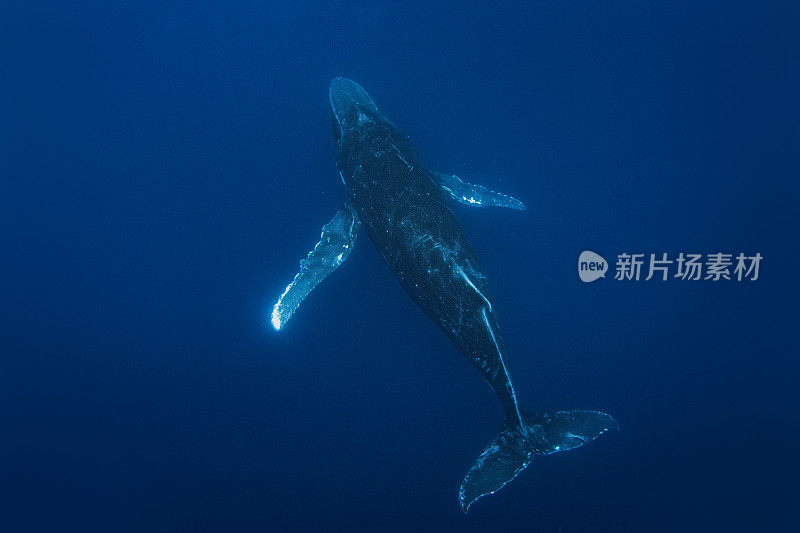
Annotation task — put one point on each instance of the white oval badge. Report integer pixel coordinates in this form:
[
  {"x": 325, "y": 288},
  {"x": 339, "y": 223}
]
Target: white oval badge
[{"x": 591, "y": 266}]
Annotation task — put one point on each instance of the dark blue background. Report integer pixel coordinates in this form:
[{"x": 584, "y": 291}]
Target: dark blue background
[{"x": 165, "y": 165}]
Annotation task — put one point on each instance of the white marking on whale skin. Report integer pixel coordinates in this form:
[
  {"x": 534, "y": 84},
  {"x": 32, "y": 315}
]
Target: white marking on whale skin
[
  {"x": 574, "y": 436},
  {"x": 364, "y": 119},
  {"x": 469, "y": 282},
  {"x": 419, "y": 239},
  {"x": 505, "y": 370},
  {"x": 410, "y": 167}
]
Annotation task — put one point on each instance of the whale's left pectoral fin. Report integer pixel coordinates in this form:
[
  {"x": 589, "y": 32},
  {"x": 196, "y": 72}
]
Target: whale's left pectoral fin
[
  {"x": 337, "y": 240},
  {"x": 474, "y": 195}
]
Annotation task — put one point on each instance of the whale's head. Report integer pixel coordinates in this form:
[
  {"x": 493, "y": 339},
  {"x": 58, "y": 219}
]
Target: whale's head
[{"x": 351, "y": 106}]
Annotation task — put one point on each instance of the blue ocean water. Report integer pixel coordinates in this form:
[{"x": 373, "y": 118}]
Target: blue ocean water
[{"x": 165, "y": 166}]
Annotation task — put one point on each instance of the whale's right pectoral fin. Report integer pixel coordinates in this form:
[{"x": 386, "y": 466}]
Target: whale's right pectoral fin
[
  {"x": 474, "y": 195},
  {"x": 337, "y": 240}
]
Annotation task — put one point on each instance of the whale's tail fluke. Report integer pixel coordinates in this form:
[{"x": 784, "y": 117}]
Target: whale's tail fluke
[{"x": 513, "y": 449}]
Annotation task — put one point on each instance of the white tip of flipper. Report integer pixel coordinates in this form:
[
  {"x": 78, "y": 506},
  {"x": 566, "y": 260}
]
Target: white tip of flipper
[
  {"x": 276, "y": 319},
  {"x": 335, "y": 244}
]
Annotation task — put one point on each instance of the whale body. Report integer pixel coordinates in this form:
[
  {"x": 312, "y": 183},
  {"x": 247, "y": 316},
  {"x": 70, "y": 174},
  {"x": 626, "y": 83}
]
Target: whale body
[{"x": 404, "y": 208}]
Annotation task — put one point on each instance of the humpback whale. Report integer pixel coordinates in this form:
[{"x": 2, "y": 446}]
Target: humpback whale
[{"x": 403, "y": 208}]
